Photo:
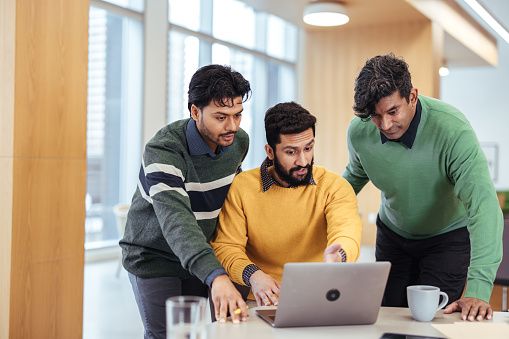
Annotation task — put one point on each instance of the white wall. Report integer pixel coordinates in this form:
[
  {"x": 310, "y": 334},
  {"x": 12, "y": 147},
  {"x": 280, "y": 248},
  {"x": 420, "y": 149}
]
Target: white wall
[{"x": 482, "y": 94}]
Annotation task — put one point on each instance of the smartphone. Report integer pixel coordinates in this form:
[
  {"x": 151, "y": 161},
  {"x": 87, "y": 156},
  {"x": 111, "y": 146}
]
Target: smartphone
[{"x": 407, "y": 336}]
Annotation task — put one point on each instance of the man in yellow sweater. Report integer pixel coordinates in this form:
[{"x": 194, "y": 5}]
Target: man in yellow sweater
[{"x": 285, "y": 211}]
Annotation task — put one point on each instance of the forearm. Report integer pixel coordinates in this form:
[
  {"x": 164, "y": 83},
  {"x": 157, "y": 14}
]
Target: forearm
[
  {"x": 229, "y": 244},
  {"x": 350, "y": 247},
  {"x": 230, "y": 240},
  {"x": 474, "y": 187},
  {"x": 343, "y": 222},
  {"x": 486, "y": 254},
  {"x": 233, "y": 259},
  {"x": 184, "y": 235}
]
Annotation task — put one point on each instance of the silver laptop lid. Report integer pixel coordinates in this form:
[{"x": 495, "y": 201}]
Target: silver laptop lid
[{"x": 320, "y": 294}]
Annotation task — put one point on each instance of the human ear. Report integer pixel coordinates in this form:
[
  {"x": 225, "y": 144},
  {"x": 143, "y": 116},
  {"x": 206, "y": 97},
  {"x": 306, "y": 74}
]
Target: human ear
[
  {"x": 195, "y": 112},
  {"x": 413, "y": 96},
  {"x": 270, "y": 152}
]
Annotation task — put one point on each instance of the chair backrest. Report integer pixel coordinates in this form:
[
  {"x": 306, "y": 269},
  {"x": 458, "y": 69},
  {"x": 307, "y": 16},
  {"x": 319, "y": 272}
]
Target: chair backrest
[
  {"x": 502, "y": 277},
  {"x": 120, "y": 211}
]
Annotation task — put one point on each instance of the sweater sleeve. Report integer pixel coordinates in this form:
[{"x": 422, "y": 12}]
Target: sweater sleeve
[
  {"x": 354, "y": 172},
  {"x": 230, "y": 239},
  {"x": 162, "y": 182},
  {"x": 344, "y": 224},
  {"x": 468, "y": 171}
]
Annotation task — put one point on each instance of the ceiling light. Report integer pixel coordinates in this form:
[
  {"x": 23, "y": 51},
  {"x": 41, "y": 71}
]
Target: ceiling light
[
  {"x": 490, "y": 20},
  {"x": 443, "y": 71},
  {"x": 325, "y": 14}
]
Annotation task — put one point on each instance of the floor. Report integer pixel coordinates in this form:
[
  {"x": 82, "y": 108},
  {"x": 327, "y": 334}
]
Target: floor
[{"x": 110, "y": 311}]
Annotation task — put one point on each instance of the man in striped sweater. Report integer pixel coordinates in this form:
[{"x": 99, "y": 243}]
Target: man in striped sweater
[{"x": 186, "y": 171}]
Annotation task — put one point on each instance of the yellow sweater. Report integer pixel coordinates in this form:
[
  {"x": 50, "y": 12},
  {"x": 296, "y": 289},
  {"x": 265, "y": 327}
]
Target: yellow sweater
[{"x": 283, "y": 225}]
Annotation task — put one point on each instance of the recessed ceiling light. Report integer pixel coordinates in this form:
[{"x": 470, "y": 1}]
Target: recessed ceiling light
[{"x": 325, "y": 14}]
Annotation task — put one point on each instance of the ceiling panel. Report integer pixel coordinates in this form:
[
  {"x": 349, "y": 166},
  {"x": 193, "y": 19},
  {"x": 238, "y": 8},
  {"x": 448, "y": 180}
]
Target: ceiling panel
[{"x": 366, "y": 12}]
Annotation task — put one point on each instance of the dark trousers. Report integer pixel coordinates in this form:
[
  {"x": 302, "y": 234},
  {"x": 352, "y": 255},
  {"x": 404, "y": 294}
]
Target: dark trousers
[
  {"x": 440, "y": 261},
  {"x": 151, "y": 295}
]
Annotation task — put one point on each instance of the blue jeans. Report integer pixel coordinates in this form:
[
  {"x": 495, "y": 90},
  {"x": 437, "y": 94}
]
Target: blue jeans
[
  {"x": 151, "y": 295},
  {"x": 440, "y": 261}
]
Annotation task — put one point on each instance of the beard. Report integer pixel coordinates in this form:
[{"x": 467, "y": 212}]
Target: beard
[{"x": 289, "y": 178}]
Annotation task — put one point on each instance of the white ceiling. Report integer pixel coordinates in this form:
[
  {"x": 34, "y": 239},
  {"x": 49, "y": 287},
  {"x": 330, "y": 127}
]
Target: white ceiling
[{"x": 363, "y": 12}]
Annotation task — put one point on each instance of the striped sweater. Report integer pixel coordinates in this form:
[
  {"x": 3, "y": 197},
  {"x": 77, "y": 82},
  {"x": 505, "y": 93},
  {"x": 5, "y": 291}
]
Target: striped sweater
[{"x": 181, "y": 189}]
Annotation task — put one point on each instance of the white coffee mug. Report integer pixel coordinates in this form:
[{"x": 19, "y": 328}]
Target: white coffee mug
[{"x": 423, "y": 301}]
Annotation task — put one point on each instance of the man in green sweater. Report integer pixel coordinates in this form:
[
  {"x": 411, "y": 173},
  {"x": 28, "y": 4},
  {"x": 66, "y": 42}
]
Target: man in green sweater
[
  {"x": 186, "y": 171},
  {"x": 439, "y": 221}
]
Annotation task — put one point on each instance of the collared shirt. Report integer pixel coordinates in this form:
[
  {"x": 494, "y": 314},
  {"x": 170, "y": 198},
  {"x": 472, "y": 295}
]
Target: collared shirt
[
  {"x": 408, "y": 137},
  {"x": 268, "y": 181},
  {"x": 196, "y": 144}
]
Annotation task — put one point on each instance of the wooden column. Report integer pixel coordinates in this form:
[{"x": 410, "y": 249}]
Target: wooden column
[
  {"x": 43, "y": 121},
  {"x": 333, "y": 58}
]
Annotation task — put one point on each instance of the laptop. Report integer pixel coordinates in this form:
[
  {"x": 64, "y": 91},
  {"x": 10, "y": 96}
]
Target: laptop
[{"x": 329, "y": 294}]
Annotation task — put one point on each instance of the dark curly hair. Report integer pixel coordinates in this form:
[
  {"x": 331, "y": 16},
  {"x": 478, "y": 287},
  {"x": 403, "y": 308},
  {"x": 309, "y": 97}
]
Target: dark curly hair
[
  {"x": 217, "y": 83},
  {"x": 380, "y": 77},
  {"x": 286, "y": 118}
]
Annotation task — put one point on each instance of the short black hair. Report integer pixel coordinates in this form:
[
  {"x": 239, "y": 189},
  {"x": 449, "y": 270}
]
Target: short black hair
[
  {"x": 286, "y": 118},
  {"x": 218, "y": 83},
  {"x": 380, "y": 77}
]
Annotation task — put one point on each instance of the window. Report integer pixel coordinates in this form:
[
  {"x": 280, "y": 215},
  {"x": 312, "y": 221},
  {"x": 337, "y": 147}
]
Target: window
[
  {"x": 113, "y": 120},
  {"x": 200, "y": 32},
  {"x": 137, "y": 5},
  {"x": 185, "y": 13},
  {"x": 235, "y": 34},
  {"x": 282, "y": 40},
  {"x": 235, "y": 22},
  {"x": 182, "y": 63}
]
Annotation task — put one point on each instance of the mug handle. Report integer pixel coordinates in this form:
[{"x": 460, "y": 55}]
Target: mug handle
[{"x": 444, "y": 301}]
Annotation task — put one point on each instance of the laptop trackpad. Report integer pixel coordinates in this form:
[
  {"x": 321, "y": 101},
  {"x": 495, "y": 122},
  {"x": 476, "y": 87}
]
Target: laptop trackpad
[{"x": 267, "y": 315}]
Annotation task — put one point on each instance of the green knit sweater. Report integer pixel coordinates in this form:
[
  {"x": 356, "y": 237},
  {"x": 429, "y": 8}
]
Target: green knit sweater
[
  {"x": 174, "y": 210},
  {"x": 441, "y": 184}
]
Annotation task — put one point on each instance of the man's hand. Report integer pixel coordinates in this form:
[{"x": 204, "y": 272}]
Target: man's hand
[
  {"x": 226, "y": 297},
  {"x": 265, "y": 288},
  {"x": 471, "y": 309},
  {"x": 331, "y": 253}
]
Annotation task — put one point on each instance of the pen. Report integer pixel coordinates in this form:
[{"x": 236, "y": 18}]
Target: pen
[{"x": 237, "y": 311}]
